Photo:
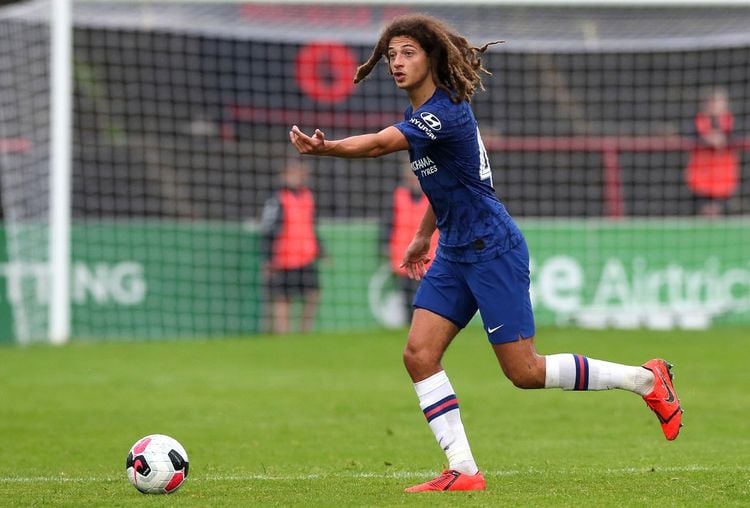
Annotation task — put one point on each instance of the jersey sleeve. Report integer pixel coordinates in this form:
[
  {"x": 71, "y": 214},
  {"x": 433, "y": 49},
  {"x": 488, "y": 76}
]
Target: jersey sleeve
[
  {"x": 431, "y": 124},
  {"x": 417, "y": 138}
]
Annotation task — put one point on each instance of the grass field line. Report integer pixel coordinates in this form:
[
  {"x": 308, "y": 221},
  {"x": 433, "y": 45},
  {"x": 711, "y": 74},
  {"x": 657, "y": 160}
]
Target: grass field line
[{"x": 381, "y": 475}]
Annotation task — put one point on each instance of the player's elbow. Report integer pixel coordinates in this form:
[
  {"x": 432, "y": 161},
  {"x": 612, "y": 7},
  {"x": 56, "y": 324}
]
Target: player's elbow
[{"x": 387, "y": 141}]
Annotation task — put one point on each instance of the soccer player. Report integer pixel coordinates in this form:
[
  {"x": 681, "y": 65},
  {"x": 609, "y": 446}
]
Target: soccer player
[{"x": 482, "y": 262}]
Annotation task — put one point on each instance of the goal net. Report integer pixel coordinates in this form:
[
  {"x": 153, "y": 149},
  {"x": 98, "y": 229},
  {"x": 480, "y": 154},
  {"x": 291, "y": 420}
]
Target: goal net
[
  {"x": 634, "y": 198},
  {"x": 24, "y": 174}
]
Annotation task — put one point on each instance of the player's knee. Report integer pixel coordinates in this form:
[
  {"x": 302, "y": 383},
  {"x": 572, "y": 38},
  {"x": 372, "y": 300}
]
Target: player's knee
[
  {"x": 418, "y": 359},
  {"x": 411, "y": 357}
]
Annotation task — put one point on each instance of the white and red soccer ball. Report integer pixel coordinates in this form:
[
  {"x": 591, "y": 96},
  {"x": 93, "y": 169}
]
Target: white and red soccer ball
[{"x": 157, "y": 464}]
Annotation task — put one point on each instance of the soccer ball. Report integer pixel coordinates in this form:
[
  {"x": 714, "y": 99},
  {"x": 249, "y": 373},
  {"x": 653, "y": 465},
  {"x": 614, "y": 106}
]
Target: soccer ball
[{"x": 157, "y": 464}]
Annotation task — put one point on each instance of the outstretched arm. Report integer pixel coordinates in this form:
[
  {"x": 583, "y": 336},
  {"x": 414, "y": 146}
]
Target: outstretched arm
[
  {"x": 415, "y": 257},
  {"x": 387, "y": 141}
]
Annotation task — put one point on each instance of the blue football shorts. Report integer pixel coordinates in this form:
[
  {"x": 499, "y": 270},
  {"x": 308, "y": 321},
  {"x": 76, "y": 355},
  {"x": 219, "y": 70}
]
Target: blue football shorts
[{"x": 498, "y": 288}]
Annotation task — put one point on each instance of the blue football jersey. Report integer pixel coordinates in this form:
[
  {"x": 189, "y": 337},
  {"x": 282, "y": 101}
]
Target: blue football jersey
[{"x": 449, "y": 158}]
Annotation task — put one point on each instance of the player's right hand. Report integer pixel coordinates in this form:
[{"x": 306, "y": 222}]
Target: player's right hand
[{"x": 307, "y": 144}]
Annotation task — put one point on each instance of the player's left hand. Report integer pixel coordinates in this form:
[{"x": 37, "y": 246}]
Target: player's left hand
[{"x": 307, "y": 144}]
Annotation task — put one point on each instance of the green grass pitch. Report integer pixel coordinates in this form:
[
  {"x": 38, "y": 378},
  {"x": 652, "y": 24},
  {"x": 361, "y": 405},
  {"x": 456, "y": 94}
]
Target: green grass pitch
[{"x": 332, "y": 420}]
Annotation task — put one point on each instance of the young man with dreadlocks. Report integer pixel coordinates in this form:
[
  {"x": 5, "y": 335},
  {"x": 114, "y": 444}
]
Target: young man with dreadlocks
[{"x": 482, "y": 262}]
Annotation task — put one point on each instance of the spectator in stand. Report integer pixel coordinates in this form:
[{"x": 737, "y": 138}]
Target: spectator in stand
[
  {"x": 291, "y": 248},
  {"x": 712, "y": 173},
  {"x": 400, "y": 222}
]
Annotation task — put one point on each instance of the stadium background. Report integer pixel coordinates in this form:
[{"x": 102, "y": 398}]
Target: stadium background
[{"x": 181, "y": 113}]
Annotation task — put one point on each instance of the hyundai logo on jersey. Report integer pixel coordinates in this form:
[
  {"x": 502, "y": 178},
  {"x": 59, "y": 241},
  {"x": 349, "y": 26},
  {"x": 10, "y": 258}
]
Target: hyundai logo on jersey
[{"x": 431, "y": 120}]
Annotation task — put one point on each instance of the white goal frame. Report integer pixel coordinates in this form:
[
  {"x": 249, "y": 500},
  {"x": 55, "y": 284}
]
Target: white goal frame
[{"x": 61, "y": 126}]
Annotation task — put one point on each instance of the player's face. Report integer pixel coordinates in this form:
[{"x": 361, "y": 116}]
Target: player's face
[{"x": 408, "y": 63}]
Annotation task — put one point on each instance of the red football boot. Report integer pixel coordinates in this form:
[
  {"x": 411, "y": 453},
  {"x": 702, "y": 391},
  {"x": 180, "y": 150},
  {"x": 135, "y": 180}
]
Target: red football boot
[
  {"x": 663, "y": 399},
  {"x": 451, "y": 480}
]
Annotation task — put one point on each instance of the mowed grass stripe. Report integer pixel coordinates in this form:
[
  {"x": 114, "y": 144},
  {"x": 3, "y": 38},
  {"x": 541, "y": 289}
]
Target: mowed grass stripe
[{"x": 380, "y": 476}]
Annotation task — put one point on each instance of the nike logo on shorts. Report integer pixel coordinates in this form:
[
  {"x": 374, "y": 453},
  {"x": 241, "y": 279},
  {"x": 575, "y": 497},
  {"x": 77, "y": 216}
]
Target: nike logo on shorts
[{"x": 491, "y": 330}]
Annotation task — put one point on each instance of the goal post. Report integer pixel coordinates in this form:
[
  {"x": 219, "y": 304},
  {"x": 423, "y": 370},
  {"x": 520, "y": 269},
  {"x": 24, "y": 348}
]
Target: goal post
[
  {"x": 61, "y": 126},
  {"x": 139, "y": 215}
]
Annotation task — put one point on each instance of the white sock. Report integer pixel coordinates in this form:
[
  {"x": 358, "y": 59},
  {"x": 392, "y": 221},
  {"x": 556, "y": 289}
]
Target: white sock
[
  {"x": 440, "y": 406},
  {"x": 576, "y": 372}
]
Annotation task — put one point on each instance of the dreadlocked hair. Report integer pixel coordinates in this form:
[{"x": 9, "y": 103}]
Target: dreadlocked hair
[{"x": 456, "y": 65}]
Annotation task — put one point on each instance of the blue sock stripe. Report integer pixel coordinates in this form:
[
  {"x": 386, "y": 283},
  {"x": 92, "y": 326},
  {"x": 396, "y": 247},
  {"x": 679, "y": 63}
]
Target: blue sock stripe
[
  {"x": 441, "y": 407},
  {"x": 442, "y": 401},
  {"x": 582, "y": 372},
  {"x": 441, "y": 412},
  {"x": 586, "y": 361}
]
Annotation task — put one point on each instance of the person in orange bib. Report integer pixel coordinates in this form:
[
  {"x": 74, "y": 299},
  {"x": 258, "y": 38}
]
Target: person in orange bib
[
  {"x": 712, "y": 173},
  {"x": 400, "y": 221},
  {"x": 291, "y": 248}
]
